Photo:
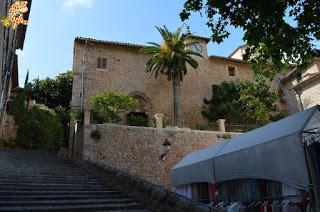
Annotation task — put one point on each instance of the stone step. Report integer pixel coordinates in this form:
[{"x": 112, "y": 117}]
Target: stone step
[
  {"x": 18, "y": 193},
  {"x": 39, "y": 181},
  {"x": 60, "y": 173},
  {"x": 49, "y": 184},
  {"x": 108, "y": 207},
  {"x": 45, "y": 176},
  {"x": 60, "y": 197},
  {"x": 64, "y": 202},
  {"x": 45, "y": 181},
  {"x": 54, "y": 188}
]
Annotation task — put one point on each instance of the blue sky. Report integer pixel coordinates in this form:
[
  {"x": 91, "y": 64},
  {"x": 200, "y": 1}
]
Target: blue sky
[{"x": 55, "y": 23}]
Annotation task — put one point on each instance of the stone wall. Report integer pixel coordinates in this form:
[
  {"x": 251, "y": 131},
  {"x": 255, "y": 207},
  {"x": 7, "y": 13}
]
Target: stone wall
[
  {"x": 138, "y": 150},
  {"x": 308, "y": 87},
  {"x": 310, "y": 95}
]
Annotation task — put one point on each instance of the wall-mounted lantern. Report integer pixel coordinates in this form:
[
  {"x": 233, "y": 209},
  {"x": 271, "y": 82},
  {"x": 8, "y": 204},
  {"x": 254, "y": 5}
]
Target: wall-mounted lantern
[{"x": 166, "y": 146}]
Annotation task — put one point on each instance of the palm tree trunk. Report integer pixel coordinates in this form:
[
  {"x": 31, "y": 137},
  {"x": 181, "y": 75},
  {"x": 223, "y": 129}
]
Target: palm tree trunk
[{"x": 177, "y": 121}]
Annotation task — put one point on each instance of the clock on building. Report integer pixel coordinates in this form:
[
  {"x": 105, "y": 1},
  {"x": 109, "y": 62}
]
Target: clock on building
[{"x": 196, "y": 47}]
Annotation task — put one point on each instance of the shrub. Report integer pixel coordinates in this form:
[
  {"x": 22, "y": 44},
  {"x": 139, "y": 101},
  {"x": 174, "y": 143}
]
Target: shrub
[
  {"x": 107, "y": 105},
  {"x": 40, "y": 129},
  {"x": 165, "y": 123},
  {"x": 136, "y": 120},
  {"x": 96, "y": 135},
  {"x": 10, "y": 144}
]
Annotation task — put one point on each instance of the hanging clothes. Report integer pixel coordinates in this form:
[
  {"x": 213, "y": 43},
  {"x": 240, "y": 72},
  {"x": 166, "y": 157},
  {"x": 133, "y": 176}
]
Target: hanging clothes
[
  {"x": 290, "y": 191},
  {"x": 185, "y": 190},
  {"x": 213, "y": 192}
]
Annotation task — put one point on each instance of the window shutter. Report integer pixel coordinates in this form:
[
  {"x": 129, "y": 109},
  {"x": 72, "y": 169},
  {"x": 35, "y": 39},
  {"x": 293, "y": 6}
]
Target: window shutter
[{"x": 104, "y": 63}]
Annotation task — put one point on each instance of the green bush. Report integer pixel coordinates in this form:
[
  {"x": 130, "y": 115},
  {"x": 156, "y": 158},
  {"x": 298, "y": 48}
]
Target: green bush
[
  {"x": 165, "y": 123},
  {"x": 39, "y": 129},
  {"x": 107, "y": 105},
  {"x": 96, "y": 135},
  {"x": 136, "y": 120},
  {"x": 10, "y": 144}
]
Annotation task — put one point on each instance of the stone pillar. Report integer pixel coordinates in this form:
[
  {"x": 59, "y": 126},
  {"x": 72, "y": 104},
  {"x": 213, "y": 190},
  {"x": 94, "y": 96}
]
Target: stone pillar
[
  {"x": 159, "y": 120},
  {"x": 221, "y": 125},
  {"x": 87, "y": 117},
  {"x": 71, "y": 137}
]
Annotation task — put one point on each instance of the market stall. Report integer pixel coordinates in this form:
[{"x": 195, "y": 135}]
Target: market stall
[{"x": 274, "y": 153}]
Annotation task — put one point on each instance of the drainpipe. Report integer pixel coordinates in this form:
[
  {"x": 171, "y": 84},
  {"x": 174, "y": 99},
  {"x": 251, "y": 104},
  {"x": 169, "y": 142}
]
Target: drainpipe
[{"x": 299, "y": 93}]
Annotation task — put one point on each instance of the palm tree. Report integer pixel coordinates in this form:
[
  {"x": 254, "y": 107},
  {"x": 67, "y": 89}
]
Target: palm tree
[{"x": 171, "y": 58}]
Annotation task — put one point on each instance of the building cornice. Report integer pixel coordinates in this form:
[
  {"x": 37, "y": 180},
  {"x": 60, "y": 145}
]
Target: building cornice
[
  {"x": 239, "y": 47},
  {"x": 306, "y": 82},
  {"x": 82, "y": 39},
  {"x": 228, "y": 59}
]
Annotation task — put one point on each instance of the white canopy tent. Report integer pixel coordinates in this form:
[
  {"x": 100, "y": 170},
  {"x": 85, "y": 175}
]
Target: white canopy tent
[{"x": 273, "y": 152}]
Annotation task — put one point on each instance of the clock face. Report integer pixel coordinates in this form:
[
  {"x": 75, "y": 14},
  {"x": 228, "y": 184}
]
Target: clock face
[{"x": 196, "y": 47}]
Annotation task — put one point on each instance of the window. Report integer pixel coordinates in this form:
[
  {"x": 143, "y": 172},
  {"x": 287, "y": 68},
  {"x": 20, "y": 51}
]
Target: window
[
  {"x": 102, "y": 63},
  {"x": 232, "y": 71},
  {"x": 83, "y": 61}
]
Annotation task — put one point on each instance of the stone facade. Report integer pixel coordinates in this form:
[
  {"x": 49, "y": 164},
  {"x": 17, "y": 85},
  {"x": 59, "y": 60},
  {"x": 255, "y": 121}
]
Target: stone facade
[
  {"x": 139, "y": 151},
  {"x": 10, "y": 41},
  {"x": 301, "y": 90},
  {"x": 124, "y": 72}
]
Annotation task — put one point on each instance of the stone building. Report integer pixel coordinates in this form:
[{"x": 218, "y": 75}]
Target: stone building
[
  {"x": 300, "y": 89},
  {"x": 10, "y": 41},
  {"x": 114, "y": 66}
]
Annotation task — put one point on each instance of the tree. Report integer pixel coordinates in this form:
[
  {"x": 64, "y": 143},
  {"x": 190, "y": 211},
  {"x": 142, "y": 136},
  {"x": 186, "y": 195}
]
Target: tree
[
  {"x": 224, "y": 104},
  {"x": 56, "y": 94},
  {"x": 53, "y": 92},
  {"x": 106, "y": 106},
  {"x": 36, "y": 128},
  {"x": 40, "y": 129},
  {"x": 285, "y": 32},
  {"x": 171, "y": 58},
  {"x": 244, "y": 101}
]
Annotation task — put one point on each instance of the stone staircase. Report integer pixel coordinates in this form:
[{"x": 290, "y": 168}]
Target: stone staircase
[{"x": 38, "y": 181}]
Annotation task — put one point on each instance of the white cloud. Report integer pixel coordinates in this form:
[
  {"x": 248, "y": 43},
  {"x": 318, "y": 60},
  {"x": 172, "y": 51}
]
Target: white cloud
[
  {"x": 20, "y": 53},
  {"x": 70, "y": 4}
]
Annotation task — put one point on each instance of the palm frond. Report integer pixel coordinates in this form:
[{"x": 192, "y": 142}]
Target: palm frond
[{"x": 172, "y": 56}]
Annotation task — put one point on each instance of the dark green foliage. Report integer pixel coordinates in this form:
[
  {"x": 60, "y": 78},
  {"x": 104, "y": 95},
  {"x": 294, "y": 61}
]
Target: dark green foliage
[
  {"x": 53, "y": 92},
  {"x": 165, "y": 122},
  {"x": 106, "y": 106},
  {"x": 18, "y": 106},
  {"x": 137, "y": 120},
  {"x": 207, "y": 127},
  {"x": 77, "y": 114},
  {"x": 9, "y": 144},
  {"x": 39, "y": 129},
  {"x": 96, "y": 135},
  {"x": 244, "y": 102},
  {"x": 56, "y": 94},
  {"x": 266, "y": 26},
  {"x": 171, "y": 56},
  {"x": 224, "y": 103}
]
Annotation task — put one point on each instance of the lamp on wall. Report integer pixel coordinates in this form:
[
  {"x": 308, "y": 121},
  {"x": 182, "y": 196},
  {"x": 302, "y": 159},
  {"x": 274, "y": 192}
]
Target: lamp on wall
[{"x": 166, "y": 145}]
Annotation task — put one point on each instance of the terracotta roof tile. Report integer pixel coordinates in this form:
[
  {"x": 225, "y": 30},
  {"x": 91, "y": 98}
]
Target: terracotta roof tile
[{"x": 110, "y": 42}]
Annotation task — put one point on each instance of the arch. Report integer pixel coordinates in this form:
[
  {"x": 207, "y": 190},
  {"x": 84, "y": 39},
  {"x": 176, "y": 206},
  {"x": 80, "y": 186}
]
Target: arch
[
  {"x": 144, "y": 100},
  {"x": 144, "y": 109}
]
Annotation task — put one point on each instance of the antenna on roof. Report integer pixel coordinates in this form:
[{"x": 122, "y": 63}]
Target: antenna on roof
[{"x": 188, "y": 30}]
